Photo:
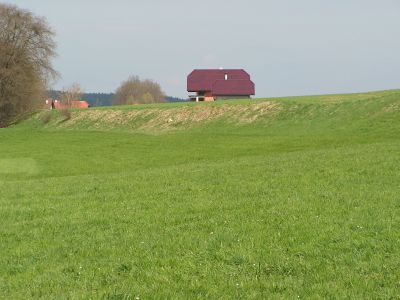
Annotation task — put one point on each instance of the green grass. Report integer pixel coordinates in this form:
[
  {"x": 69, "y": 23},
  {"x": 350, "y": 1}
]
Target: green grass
[{"x": 301, "y": 203}]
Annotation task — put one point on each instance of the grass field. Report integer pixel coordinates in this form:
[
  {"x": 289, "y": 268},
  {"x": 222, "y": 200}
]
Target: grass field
[{"x": 274, "y": 198}]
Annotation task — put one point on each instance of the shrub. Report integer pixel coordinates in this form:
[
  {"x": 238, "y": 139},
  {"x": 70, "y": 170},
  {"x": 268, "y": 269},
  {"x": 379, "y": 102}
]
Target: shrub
[{"x": 137, "y": 91}]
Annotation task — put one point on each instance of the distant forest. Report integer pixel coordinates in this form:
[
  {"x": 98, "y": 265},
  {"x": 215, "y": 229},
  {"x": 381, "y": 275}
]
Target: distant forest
[{"x": 104, "y": 99}]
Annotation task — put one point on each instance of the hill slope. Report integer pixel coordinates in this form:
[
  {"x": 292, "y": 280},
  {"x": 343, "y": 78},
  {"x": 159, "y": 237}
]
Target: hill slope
[
  {"x": 340, "y": 109},
  {"x": 275, "y": 198}
]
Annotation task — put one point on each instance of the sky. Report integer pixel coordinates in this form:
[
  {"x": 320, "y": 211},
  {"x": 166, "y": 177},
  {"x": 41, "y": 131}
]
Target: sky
[{"x": 289, "y": 47}]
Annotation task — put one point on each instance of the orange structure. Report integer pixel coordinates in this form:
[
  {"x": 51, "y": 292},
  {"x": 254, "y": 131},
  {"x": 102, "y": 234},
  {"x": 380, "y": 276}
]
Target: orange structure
[{"x": 56, "y": 104}]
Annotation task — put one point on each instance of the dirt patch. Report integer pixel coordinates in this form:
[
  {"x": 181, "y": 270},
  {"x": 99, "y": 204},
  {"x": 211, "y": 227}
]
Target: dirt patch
[
  {"x": 392, "y": 108},
  {"x": 188, "y": 116},
  {"x": 167, "y": 119}
]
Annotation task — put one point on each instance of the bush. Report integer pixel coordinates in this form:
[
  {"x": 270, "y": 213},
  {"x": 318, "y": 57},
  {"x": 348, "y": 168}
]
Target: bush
[{"x": 137, "y": 91}]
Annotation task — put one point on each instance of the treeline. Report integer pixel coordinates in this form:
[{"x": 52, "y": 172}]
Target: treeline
[
  {"x": 103, "y": 99},
  {"x": 94, "y": 99},
  {"x": 174, "y": 99},
  {"x": 98, "y": 99}
]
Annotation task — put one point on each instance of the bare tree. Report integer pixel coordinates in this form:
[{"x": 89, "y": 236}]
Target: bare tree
[
  {"x": 71, "y": 93},
  {"x": 26, "y": 50},
  {"x": 136, "y": 91}
]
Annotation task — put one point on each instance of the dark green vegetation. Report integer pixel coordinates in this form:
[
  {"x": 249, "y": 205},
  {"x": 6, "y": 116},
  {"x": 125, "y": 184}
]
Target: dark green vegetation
[
  {"x": 301, "y": 202},
  {"x": 102, "y": 99}
]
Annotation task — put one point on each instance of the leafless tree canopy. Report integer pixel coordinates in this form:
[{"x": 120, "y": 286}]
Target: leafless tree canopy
[
  {"x": 71, "y": 93},
  {"x": 26, "y": 50},
  {"x": 136, "y": 91}
]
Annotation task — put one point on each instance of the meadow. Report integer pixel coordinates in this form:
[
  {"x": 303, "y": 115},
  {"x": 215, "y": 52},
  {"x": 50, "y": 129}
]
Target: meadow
[{"x": 245, "y": 199}]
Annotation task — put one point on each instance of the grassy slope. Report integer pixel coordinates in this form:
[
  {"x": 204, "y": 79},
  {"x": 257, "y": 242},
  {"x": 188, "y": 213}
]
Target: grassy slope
[{"x": 303, "y": 202}]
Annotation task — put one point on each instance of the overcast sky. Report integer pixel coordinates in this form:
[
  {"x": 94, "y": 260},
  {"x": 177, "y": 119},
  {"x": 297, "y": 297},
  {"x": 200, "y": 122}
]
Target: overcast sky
[{"x": 289, "y": 47}]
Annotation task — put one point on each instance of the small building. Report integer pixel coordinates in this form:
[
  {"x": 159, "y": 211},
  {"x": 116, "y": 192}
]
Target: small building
[
  {"x": 56, "y": 104},
  {"x": 213, "y": 84}
]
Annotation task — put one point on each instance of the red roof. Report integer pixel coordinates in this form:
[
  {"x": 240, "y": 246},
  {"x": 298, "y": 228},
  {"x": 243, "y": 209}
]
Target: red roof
[{"x": 221, "y": 82}]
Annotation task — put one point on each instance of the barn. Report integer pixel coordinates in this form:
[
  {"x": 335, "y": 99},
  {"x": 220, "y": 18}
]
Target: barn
[{"x": 213, "y": 84}]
